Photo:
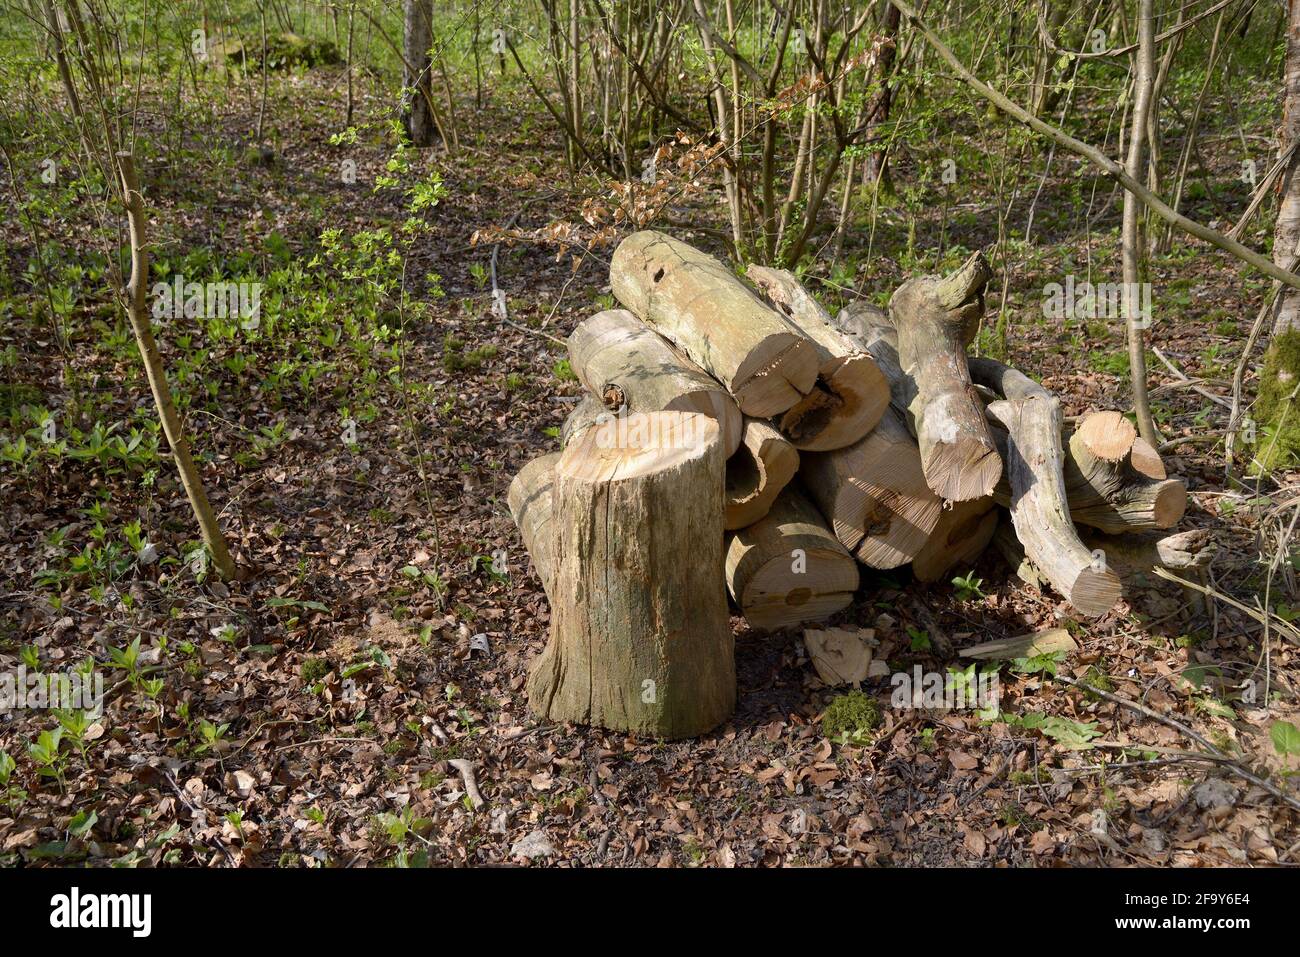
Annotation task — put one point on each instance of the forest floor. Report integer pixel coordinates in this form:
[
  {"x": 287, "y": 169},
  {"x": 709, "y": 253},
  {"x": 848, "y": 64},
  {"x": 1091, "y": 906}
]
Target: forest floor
[{"x": 308, "y": 714}]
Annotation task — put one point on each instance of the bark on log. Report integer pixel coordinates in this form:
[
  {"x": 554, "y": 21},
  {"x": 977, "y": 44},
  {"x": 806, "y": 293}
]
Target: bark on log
[
  {"x": 529, "y": 498},
  {"x": 875, "y": 494},
  {"x": 851, "y": 392},
  {"x": 762, "y": 466},
  {"x": 1031, "y": 417},
  {"x": 630, "y": 367},
  {"x": 788, "y": 568},
  {"x": 703, "y": 308},
  {"x": 962, "y": 533},
  {"x": 640, "y": 632},
  {"x": 936, "y": 318}
]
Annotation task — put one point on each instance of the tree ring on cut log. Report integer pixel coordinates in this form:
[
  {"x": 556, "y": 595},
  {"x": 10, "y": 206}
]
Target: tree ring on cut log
[{"x": 761, "y": 467}]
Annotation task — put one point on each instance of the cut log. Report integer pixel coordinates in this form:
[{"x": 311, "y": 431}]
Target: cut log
[
  {"x": 962, "y": 533},
  {"x": 631, "y": 368},
  {"x": 1105, "y": 491},
  {"x": 851, "y": 392},
  {"x": 936, "y": 318},
  {"x": 762, "y": 466},
  {"x": 1031, "y": 417},
  {"x": 529, "y": 498},
  {"x": 640, "y": 633},
  {"x": 875, "y": 494},
  {"x": 788, "y": 568},
  {"x": 703, "y": 308}
]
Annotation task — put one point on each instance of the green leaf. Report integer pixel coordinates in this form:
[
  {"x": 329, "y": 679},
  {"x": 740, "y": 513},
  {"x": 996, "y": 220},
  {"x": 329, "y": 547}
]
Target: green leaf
[{"x": 1286, "y": 737}]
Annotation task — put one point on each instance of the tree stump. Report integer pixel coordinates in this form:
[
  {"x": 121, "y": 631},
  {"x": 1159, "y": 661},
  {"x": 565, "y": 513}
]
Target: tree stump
[{"x": 640, "y": 632}]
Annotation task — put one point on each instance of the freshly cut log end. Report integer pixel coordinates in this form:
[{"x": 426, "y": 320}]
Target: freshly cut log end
[
  {"x": 1095, "y": 591},
  {"x": 640, "y": 632},
  {"x": 787, "y": 568},
  {"x": 963, "y": 470},
  {"x": 1094, "y": 587},
  {"x": 875, "y": 495},
  {"x": 632, "y": 369},
  {"x": 851, "y": 391},
  {"x": 962, "y": 533},
  {"x": 529, "y": 499},
  {"x": 704, "y": 309},
  {"x": 758, "y": 471},
  {"x": 1107, "y": 435}
]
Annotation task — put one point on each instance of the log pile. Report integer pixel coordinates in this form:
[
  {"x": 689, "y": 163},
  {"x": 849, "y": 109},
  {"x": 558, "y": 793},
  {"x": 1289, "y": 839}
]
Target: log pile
[{"x": 737, "y": 440}]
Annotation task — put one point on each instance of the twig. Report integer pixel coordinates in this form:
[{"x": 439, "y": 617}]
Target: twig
[{"x": 466, "y": 769}]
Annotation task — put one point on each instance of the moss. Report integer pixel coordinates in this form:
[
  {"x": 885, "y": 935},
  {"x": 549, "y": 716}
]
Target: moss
[
  {"x": 850, "y": 715},
  {"x": 1277, "y": 411},
  {"x": 313, "y": 670}
]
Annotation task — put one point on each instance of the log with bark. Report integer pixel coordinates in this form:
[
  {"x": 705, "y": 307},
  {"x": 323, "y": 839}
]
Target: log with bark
[
  {"x": 875, "y": 495},
  {"x": 631, "y": 368},
  {"x": 1107, "y": 490},
  {"x": 851, "y": 393},
  {"x": 1031, "y": 417},
  {"x": 703, "y": 308},
  {"x": 762, "y": 466},
  {"x": 788, "y": 568},
  {"x": 640, "y": 633},
  {"x": 936, "y": 318}
]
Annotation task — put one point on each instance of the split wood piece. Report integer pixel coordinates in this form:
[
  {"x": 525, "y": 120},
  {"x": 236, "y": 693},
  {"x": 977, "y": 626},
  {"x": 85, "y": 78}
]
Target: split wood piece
[
  {"x": 1134, "y": 555},
  {"x": 631, "y": 368},
  {"x": 762, "y": 466},
  {"x": 1031, "y": 417},
  {"x": 1049, "y": 641},
  {"x": 840, "y": 656},
  {"x": 703, "y": 308},
  {"x": 788, "y": 568},
  {"x": 962, "y": 533},
  {"x": 875, "y": 494},
  {"x": 851, "y": 392},
  {"x": 529, "y": 498},
  {"x": 936, "y": 318},
  {"x": 640, "y": 632},
  {"x": 1108, "y": 493}
]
